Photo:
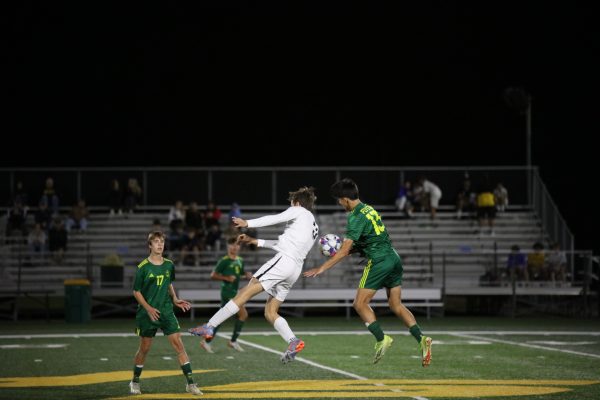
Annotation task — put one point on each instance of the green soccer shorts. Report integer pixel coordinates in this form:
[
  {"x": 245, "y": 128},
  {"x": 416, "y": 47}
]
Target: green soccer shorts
[
  {"x": 147, "y": 328},
  {"x": 382, "y": 272}
]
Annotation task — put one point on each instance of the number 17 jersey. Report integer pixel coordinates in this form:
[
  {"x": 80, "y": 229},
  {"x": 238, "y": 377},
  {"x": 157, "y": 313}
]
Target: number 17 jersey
[{"x": 153, "y": 282}]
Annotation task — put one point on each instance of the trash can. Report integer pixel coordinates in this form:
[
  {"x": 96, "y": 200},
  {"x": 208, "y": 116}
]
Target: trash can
[
  {"x": 111, "y": 271},
  {"x": 78, "y": 302}
]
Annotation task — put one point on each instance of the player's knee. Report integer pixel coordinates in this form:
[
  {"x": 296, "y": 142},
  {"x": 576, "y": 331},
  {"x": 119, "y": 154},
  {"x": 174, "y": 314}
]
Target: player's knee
[
  {"x": 359, "y": 305},
  {"x": 271, "y": 315}
]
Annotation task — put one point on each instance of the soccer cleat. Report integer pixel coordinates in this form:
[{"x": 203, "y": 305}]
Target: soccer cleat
[
  {"x": 134, "y": 388},
  {"x": 206, "y": 346},
  {"x": 235, "y": 346},
  {"x": 206, "y": 331},
  {"x": 294, "y": 348},
  {"x": 425, "y": 348},
  {"x": 192, "y": 388},
  {"x": 381, "y": 347}
]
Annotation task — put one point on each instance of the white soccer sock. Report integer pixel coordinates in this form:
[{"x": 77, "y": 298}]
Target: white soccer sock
[
  {"x": 221, "y": 316},
  {"x": 284, "y": 330}
]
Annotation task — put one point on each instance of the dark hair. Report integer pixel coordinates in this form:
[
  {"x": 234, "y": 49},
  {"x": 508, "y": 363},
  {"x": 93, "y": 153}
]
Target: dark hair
[
  {"x": 232, "y": 240},
  {"x": 305, "y": 196},
  {"x": 155, "y": 234},
  {"x": 344, "y": 188}
]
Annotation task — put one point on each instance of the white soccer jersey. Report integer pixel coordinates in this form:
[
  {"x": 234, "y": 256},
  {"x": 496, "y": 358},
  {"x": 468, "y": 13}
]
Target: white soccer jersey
[{"x": 298, "y": 237}]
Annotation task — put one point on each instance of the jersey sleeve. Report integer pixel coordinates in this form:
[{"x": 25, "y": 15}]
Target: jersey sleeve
[
  {"x": 242, "y": 265},
  {"x": 287, "y": 215},
  {"x": 221, "y": 265},
  {"x": 172, "y": 272},
  {"x": 355, "y": 227},
  {"x": 139, "y": 279}
]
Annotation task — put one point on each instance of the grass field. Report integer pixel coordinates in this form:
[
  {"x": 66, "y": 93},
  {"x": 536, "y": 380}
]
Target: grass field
[{"x": 472, "y": 358}]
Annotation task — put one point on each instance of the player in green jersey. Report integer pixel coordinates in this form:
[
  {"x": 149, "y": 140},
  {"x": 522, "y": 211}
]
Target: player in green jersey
[
  {"x": 366, "y": 234},
  {"x": 229, "y": 270},
  {"x": 155, "y": 294}
]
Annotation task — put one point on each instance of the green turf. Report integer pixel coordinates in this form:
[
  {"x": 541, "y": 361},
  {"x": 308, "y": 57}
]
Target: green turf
[{"x": 455, "y": 359}]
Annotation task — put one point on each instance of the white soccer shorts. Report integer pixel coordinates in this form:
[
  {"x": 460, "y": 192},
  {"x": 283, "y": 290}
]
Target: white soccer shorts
[{"x": 278, "y": 275}]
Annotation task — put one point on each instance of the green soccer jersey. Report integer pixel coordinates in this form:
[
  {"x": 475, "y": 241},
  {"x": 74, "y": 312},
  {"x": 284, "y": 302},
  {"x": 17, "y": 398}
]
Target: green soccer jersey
[
  {"x": 228, "y": 266},
  {"x": 368, "y": 232},
  {"x": 153, "y": 282}
]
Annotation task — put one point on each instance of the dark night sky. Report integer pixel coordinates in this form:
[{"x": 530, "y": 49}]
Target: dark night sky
[{"x": 168, "y": 84}]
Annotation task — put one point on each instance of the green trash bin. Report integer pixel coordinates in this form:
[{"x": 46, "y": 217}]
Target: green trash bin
[{"x": 78, "y": 302}]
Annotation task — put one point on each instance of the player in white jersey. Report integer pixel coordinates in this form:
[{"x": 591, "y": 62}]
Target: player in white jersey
[{"x": 278, "y": 275}]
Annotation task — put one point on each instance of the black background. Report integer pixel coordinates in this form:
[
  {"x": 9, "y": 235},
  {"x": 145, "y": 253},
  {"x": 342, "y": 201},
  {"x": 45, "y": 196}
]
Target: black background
[{"x": 306, "y": 83}]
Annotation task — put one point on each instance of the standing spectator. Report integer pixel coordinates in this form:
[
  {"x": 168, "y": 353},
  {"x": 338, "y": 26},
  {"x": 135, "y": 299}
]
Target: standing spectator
[
  {"x": 194, "y": 218},
  {"x": 133, "y": 194},
  {"x": 15, "y": 222},
  {"x": 486, "y": 210},
  {"x": 235, "y": 211},
  {"x": 115, "y": 198},
  {"x": 57, "y": 240},
  {"x": 43, "y": 216},
  {"x": 501, "y": 197},
  {"x": 20, "y": 196},
  {"x": 50, "y": 196},
  {"x": 465, "y": 197},
  {"x": 78, "y": 218},
  {"x": 516, "y": 265},
  {"x": 434, "y": 193},
  {"x": 176, "y": 215},
  {"x": 404, "y": 199},
  {"x": 535, "y": 262},
  {"x": 556, "y": 263},
  {"x": 213, "y": 214}
]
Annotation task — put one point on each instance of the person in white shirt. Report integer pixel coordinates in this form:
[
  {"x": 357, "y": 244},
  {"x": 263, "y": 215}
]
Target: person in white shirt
[
  {"x": 435, "y": 194},
  {"x": 278, "y": 275}
]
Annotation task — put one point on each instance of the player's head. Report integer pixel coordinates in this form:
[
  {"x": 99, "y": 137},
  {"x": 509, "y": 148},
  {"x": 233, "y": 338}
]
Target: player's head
[
  {"x": 345, "y": 192},
  {"x": 233, "y": 246},
  {"x": 156, "y": 242},
  {"x": 305, "y": 196}
]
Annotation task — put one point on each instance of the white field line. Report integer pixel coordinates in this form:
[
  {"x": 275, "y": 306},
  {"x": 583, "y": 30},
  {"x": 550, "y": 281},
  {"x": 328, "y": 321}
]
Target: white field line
[
  {"x": 313, "y": 333},
  {"x": 531, "y": 346},
  {"x": 314, "y": 364}
]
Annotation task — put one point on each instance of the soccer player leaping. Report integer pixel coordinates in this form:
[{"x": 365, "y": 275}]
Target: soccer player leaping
[
  {"x": 366, "y": 234},
  {"x": 277, "y": 275}
]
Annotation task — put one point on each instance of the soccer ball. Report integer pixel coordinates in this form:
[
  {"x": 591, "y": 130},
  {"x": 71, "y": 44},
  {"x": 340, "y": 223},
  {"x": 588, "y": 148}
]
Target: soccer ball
[{"x": 330, "y": 244}]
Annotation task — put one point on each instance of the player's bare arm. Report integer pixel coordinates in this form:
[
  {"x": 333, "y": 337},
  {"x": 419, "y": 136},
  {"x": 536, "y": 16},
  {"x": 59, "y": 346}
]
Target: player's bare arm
[
  {"x": 239, "y": 222},
  {"x": 243, "y": 238},
  {"x": 183, "y": 304},
  {"x": 343, "y": 252},
  {"x": 215, "y": 276}
]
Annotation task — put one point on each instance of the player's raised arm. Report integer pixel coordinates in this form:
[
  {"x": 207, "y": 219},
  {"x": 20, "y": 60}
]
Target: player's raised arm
[
  {"x": 342, "y": 252},
  {"x": 267, "y": 220}
]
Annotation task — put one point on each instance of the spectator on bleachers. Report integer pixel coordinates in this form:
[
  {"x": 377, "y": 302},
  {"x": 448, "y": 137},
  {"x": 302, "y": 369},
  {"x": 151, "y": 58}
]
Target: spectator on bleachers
[
  {"x": 175, "y": 241},
  {"x": 433, "y": 193},
  {"x": 213, "y": 238},
  {"x": 556, "y": 263},
  {"x": 36, "y": 240},
  {"x": 16, "y": 221},
  {"x": 50, "y": 196},
  {"x": 176, "y": 215},
  {"x": 404, "y": 199},
  {"x": 190, "y": 248},
  {"x": 78, "y": 217},
  {"x": 156, "y": 225},
  {"x": 536, "y": 263},
  {"x": 212, "y": 216},
  {"x": 115, "y": 198},
  {"x": 516, "y": 265},
  {"x": 501, "y": 197},
  {"x": 194, "y": 218},
  {"x": 235, "y": 211},
  {"x": 19, "y": 196},
  {"x": 133, "y": 195},
  {"x": 57, "y": 240},
  {"x": 486, "y": 210},
  {"x": 466, "y": 198},
  {"x": 43, "y": 216}
]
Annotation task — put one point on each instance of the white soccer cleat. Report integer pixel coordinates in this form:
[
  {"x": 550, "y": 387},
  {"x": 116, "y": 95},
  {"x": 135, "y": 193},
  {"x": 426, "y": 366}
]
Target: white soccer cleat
[
  {"x": 134, "y": 388},
  {"x": 235, "y": 346},
  {"x": 206, "y": 346},
  {"x": 193, "y": 389}
]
